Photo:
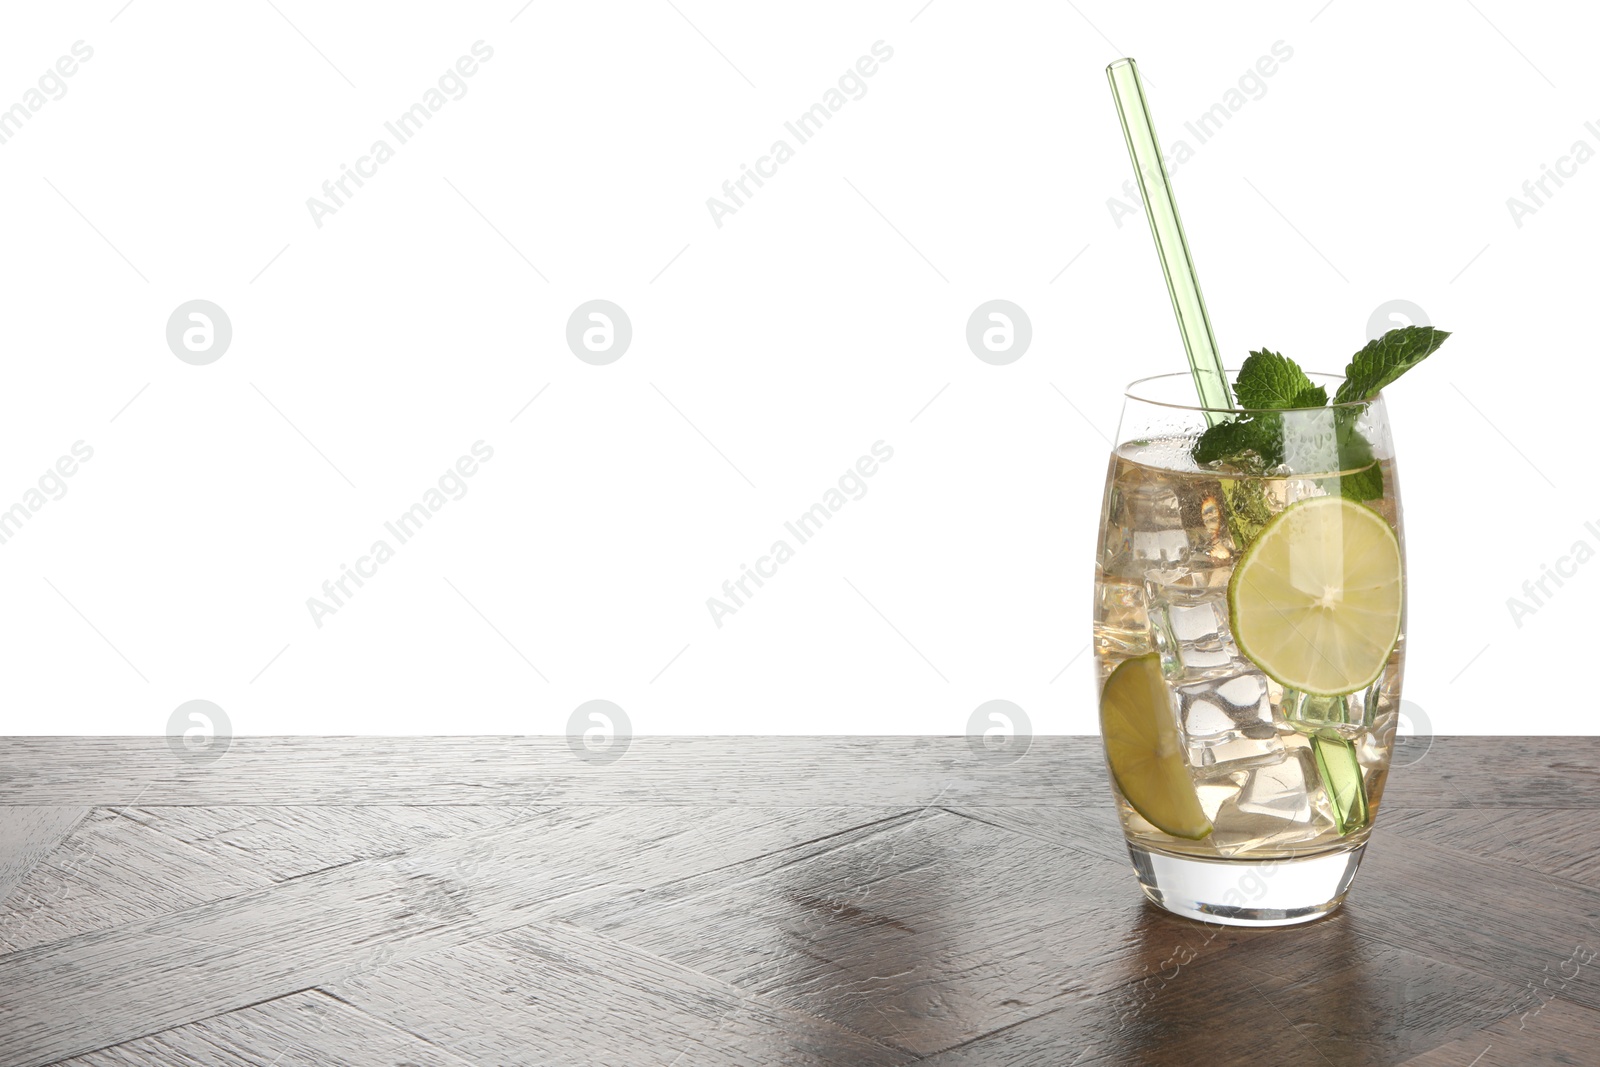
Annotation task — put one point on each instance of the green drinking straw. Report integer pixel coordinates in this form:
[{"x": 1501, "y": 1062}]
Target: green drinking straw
[{"x": 1210, "y": 380}]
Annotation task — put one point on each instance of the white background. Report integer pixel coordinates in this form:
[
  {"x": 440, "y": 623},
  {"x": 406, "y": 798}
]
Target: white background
[{"x": 768, "y": 354}]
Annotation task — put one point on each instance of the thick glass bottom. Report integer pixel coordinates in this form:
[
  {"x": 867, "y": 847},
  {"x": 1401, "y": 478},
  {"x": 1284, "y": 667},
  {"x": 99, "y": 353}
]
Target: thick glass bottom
[{"x": 1267, "y": 892}]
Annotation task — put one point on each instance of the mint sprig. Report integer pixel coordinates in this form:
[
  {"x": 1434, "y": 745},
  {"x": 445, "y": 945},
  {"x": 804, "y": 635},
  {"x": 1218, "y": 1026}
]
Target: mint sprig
[
  {"x": 1384, "y": 360},
  {"x": 1270, "y": 382}
]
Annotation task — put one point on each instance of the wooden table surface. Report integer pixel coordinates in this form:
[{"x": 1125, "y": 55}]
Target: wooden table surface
[{"x": 446, "y": 902}]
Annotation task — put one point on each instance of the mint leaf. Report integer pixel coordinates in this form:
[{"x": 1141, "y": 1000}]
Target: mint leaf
[
  {"x": 1237, "y": 439},
  {"x": 1247, "y": 508},
  {"x": 1313, "y": 397},
  {"x": 1365, "y": 484},
  {"x": 1384, "y": 360},
  {"x": 1272, "y": 380},
  {"x": 1360, "y": 476},
  {"x": 1269, "y": 381}
]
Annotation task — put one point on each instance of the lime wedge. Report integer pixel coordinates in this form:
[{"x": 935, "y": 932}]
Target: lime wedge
[
  {"x": 1141, "y": 740},
  {"x": 1316, "y": 600}
]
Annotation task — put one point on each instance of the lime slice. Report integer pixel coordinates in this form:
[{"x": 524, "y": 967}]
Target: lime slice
[
  {"x": 1316, "y": 600},
  {"x": 1141, "y": 740}
]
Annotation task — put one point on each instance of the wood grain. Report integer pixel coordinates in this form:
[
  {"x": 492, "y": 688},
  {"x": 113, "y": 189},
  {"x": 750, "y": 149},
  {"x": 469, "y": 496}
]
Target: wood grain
[
  {"x": 554, "y": 995},
  {"x": 1500, "y": 772},
  {"x": 307, "y": 1029},
  {"x": 1549, "y": 772},
  {"x": 27, "y": 835},
  {"x": 1541, "y": 1032},
  {"x": 1491, "y": 916},
  {"x": 140, "y": 978},
  {"x": 342, "y": 771},
  {"x": 922, "y": 934},
  {"x": 126, "y": 864},
  {"x": 473, "y": 902},
  {"x": 113, "y": 869},
  {"x": 1093, "y": 830},
  {"x": 1564, "y": 842}
]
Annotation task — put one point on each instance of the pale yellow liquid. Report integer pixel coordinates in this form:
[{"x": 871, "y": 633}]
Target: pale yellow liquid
[{"x": 1166, "y": 553}]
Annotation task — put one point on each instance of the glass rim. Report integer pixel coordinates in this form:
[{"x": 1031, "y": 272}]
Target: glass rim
[{"x": 1130, "y": 392}]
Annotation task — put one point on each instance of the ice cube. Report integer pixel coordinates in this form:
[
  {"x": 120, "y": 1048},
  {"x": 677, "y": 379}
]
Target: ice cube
[
  {"x": 1145, "y": 508},
  {"x": 1189, "y": 612},
  {"x": 1226, "y": 721},
  {"x": 1159, "y": 544},
  {"x": 1213, "y": 792},
  {"x": 1240, "y": 833},
  {"x": 1158, "y": 516},
  {"x": 1283, "y": 789},
  {"x": 1122, "y": 621},
  {"x": 1279, "y": 805}
]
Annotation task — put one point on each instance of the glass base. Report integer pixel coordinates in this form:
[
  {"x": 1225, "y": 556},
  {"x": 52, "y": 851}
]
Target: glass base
[{"x": 1241, "y": 892}]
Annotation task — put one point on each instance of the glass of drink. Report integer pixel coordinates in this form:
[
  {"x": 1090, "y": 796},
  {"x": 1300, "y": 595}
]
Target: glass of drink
[{"x": 1249, "y": 616}]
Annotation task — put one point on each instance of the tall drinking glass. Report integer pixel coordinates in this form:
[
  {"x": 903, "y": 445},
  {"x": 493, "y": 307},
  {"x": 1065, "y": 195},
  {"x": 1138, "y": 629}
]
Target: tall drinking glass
[{"x": 1249, "y": 610}]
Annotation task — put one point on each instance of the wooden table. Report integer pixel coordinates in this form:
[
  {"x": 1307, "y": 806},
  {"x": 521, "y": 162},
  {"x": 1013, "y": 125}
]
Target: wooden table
[{"x": 444, "y": 902}]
